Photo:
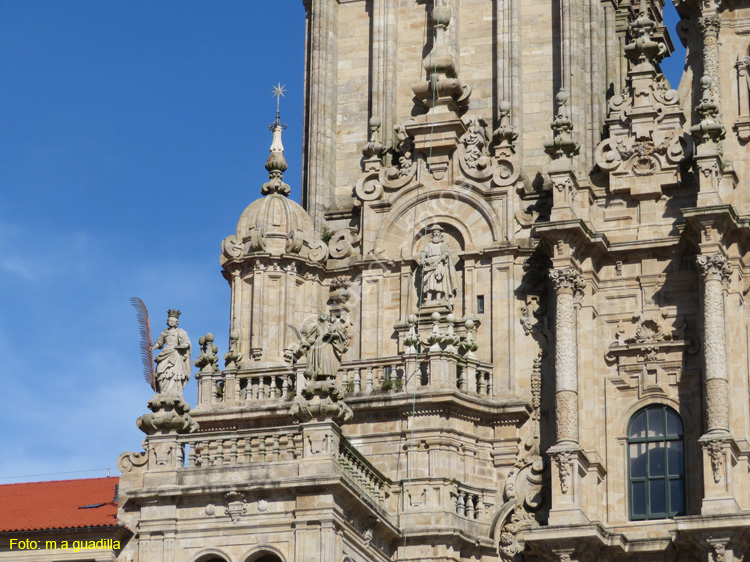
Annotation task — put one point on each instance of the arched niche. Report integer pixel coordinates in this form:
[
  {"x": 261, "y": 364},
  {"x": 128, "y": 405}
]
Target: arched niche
[{"x": 468, "y": 220}]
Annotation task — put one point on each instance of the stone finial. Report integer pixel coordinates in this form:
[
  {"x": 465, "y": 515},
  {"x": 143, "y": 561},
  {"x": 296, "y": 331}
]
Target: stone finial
[
  {"x": 643, "y": 49},
  {"x": 442, "y": 75},
  {"x": 374, "y": 147},
  {"x": 469, "y": 343},
  {"x": 411, "y": 340},
  {"x": 276, "y": 163},
  {"x": 450, "y": 339},
  {"x": 562, "y": 143},
  {"x": 435, "y": 338},
  {"x": 233, "y": 357},
  {"x": 207, "y": 360},
  {"x": 710, "y": 128},
  {"x": 506, "y": 134}
]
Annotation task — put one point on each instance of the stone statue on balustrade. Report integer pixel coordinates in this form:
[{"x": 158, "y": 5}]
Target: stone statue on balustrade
[
  {"x": 173, "y": 363},
  {"x": 324, "y": 345},
  {"x": 439, "y": 278}
]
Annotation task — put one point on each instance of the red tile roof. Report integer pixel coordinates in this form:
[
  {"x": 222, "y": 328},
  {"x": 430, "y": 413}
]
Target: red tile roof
[{"x": 56, "y": 505}]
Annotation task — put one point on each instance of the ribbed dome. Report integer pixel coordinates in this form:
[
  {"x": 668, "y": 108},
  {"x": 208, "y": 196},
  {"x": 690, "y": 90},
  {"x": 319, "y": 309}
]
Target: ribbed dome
[{"x": 280, "y": 222}]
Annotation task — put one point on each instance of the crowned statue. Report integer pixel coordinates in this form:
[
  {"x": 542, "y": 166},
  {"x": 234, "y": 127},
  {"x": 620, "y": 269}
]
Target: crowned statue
[
  {"x": 173, "y": 363},
  {"x": 438, "y": 269}
]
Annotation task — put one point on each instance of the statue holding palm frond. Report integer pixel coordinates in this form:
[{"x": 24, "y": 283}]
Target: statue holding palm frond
[{"x": 173, "y": 363}]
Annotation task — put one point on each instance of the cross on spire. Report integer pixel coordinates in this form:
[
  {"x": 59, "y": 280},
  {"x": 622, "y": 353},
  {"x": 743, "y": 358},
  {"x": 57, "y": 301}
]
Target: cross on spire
[{"x": 278, "y": 92}]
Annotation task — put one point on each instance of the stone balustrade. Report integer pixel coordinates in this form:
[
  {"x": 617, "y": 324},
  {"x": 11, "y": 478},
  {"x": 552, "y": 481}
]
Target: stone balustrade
[
  {"x": 359, "y": 469},
  {"x": 244, "y": 448},
  {"x": 469, "y": 502}
]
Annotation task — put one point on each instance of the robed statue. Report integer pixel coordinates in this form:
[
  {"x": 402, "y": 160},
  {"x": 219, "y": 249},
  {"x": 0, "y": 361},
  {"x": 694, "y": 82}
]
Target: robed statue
[
  {"x": 438, "y": 270},
  {"x": 325, "y": 345},
  {"x": 173, "y": 363}
]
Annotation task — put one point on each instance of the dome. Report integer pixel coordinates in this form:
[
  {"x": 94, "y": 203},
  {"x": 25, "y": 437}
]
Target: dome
[{"x": 275, "y": 224}]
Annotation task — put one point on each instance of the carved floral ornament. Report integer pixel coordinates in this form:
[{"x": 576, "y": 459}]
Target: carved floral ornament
[
  {"x": 567, "y": 280},
  {"x": 651, "y": 335},
  {"x": 714, "y": 267}
]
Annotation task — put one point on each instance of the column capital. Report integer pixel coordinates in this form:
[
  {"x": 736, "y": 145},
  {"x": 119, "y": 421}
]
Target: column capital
[
  {"x": 710, "y": 25},
  {"x": 567, "y": 280},
  {"x": 714, "y": 267}
]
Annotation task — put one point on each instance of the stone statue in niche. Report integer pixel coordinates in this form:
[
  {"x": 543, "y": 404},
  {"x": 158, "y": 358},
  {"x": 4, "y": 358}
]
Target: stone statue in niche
[
  {"x": 324, "y": 345},
  {"x": 173, "y": 363},
  {"x": 439, "y": 278}
]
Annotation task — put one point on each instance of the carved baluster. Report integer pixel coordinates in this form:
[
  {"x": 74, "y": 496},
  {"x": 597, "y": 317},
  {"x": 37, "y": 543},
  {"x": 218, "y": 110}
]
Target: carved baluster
[
  {"x": 191, "y": 453},
  {"x": 261, "y": 388},
  {"x": 290, "y": 447},
  {"x": 233, "y": 452},
  {"x": 489, "y": 382},
  {"x": 220, "y": 452},
  {"x": 368, "y": 381},
  {"x": 481, "y": 385},
  {"x": 248, "y": 450},
  {"x": 276, "y": 448},
  {"x": 285, "y": 388},
  {"x": 262, "y": 449},
  {"x": 461, "y": 504},
  {"x": 479, "y": 507},
  {"x": 357, "y": 380},
  {"x": 461, "y": 380},
  {"x": 470, "y": 506}
]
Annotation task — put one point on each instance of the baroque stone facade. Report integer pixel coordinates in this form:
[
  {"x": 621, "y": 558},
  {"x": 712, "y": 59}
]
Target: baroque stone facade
[{"x": 508, "y": 321}]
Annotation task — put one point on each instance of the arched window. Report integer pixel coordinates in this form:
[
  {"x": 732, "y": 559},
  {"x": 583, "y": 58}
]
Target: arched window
[{"x": 656, "y": 464}]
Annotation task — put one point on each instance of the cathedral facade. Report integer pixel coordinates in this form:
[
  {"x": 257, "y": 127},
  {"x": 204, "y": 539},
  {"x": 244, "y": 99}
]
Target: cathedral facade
[{"x": 507, "y": 322}]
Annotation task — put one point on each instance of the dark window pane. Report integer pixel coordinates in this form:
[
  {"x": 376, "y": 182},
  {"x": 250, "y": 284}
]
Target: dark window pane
[
  {"x": 675, "y": 459},
  {"x": 639, "y": 499},
  {"x": 637, "y": 460},
  {"x": 674, "y": 423},
  {"x": 655, "y": 422},
  {"x": 657, "y": 497},
  {"x": 656, "y": 459},
  {"x": 638, "y": 426},
  {"x": 676, "y": 497}
]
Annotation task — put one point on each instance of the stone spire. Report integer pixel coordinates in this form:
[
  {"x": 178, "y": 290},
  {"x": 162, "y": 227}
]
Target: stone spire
[{"x": 276, "y": 163}]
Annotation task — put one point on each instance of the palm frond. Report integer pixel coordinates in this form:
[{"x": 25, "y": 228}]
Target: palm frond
[{"x": 145, "y": 327}]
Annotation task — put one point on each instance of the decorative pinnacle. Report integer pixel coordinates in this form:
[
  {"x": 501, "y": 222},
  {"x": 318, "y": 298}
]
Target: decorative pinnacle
[
  {"x": 278, "y": 92},
  {"x": 276, "y": 163}
]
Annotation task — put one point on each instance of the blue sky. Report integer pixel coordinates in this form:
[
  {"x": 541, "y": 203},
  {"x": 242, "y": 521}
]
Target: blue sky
[{"x": 133, "y": 136}]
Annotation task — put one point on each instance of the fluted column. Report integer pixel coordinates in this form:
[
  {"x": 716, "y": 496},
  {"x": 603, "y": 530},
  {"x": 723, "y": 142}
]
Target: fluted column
[
  {"x": 715, "y": 272},
  {"x": 567, "y": 283}
]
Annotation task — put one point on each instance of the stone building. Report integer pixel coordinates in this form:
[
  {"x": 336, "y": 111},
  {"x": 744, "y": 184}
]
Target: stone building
[{"x": 508, "y": 321}]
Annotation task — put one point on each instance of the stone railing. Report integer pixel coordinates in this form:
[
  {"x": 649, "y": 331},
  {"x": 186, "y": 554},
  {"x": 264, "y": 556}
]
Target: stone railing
[
  {"x": 385, "y": 375},
  {"x": 258, "y": 446},
  {"x": 469, "y": 502},
  {"x": 366, "y": 476},
  {"x": 390, "y": 375}
]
